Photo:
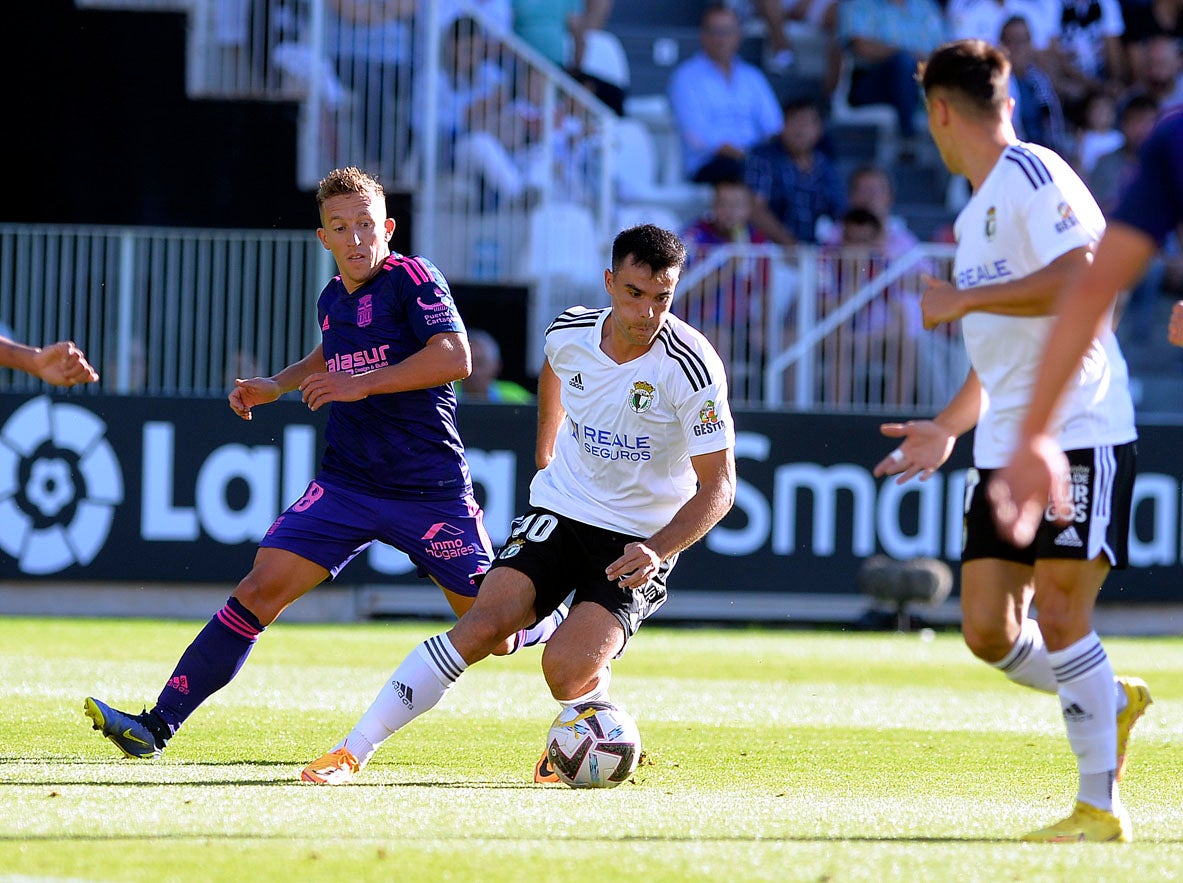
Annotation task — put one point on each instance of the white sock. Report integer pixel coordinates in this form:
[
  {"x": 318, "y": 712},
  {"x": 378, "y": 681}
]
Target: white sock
[
  {"x": 599, "y": 691},
  {"x": 1090, "y": 711},
  {"x": 1027, "y": 663},
  {"x": 416, "y": 686},
  {"x": 540, "y": 632},
  {"x": 1122, "y": 699}
]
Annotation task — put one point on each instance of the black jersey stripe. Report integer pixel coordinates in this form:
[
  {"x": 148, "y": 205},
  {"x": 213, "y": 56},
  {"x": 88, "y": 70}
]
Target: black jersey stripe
[
  {"x": 1032, "y": 166},
  {"x": 570, "y": 319},
  {"x": 691, "y": 363}
]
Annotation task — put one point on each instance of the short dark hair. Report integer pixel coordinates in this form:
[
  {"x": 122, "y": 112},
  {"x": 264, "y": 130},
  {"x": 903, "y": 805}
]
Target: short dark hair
[
  {"x": 791, "y": 106},
  {"x": 862, "y": 217},
  {"x": 650, "y": 246},
  {"x": 715, "y": 9},
  {"x": 976, "y": 74},
  {"x": 1138, "y": 102}
]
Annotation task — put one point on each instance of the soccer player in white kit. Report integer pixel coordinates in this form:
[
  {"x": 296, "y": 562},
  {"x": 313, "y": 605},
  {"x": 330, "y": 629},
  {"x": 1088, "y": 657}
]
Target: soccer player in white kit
[
  {"x": 1030, "y": 224},
  {"x": 635, "y": 451}
]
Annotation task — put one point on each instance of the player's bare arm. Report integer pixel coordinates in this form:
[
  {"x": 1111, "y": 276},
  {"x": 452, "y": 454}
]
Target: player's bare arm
[
  {"x": 60, "y": 364},
  {"x": 249, "y": 392},
  {"x": 445, "y": 358},
  {"x": 1035, "y": 294},
  {"x": 550, "y": 415},
  {"x": 1021, "y": 490},
  {"x": 927, "y": 444},
  {"x": 712, "y": 500}
]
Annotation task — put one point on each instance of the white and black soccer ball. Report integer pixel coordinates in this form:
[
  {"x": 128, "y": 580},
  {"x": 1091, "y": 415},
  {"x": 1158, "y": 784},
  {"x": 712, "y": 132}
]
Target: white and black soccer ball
[{"x": 593, "y": 745}]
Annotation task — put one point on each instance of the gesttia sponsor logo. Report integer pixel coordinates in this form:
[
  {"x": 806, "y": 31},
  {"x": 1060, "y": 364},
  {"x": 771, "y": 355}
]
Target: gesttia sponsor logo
[
  {"x": 608, "y": 444},
  {"x": 1068, "y": 218},
  {"x": 446, "y": 541},
  {"x": 708, "y": 420},
  {"x": 359, "y": 362},
  {"x": 59, "y": 485}
]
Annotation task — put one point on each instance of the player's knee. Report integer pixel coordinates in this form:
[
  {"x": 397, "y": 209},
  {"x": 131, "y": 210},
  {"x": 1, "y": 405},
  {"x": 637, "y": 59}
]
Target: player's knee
[
  {"x": 989, "y": 642},
  {"x": 260, "y": 597},
  {"x": 566, "y": 678}
]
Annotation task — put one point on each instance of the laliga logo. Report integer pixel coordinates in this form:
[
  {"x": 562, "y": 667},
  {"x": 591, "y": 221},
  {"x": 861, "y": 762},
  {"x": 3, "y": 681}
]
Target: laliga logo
[{"x": 59, "y": 486}]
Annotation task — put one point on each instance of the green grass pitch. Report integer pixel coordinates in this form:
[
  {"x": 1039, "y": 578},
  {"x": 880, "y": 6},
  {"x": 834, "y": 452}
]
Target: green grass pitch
[{"x": 770, "y": 755}]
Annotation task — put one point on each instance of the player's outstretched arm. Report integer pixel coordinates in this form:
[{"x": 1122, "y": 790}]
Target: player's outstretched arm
[
  {"x": 927, "y": 444},
  {"x": 248, "y": 393},
  {"x": 60, "y": 364},
  {"x": 550, "y": 415},
  {"x": 712, "y": 500}
]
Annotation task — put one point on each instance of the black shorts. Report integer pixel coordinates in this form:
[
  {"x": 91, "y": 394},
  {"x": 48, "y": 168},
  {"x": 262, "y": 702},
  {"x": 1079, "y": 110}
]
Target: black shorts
[
  {"x": 1102, "y": 485},
  {"x": 561, "y": 556}
]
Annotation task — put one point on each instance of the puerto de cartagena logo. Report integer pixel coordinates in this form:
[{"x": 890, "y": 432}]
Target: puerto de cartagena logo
[{"x": 59, "y": 485}]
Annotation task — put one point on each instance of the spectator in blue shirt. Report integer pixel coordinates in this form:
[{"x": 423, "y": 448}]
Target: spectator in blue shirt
[
  {"x": 723, "y": 106},
  {"x": 795, "y": 184},
  {"x": 887, "y": 38}
]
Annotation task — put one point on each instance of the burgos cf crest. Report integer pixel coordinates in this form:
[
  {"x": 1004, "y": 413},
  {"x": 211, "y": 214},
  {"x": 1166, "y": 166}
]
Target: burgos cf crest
[
  {"x": 991, "y": 223},
  {"x": 642, "y": 396}
]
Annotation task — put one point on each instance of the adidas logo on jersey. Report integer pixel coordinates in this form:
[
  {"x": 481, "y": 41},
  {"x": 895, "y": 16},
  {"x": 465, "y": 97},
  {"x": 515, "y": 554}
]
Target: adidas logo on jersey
[
  {"x": 404, "y": 693},
  {"x": 1069, "y": 537},
  {"x": 576, "y": 382}
]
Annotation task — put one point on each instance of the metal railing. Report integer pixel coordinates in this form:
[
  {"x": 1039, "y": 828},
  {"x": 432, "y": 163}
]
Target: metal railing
[
  {"x": 183, "y": 312},
  {"x": 824, "y": 328},
  {"x": 168, "y": 312}
]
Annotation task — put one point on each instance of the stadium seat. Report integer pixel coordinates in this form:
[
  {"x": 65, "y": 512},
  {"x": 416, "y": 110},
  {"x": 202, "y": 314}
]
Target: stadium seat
[
  {"x": 881, "y": 117},
  {"x": 637, "y": 173},
  {"x": 632, "y": 214},
  {"x": 562, "y": 243},
  {"x": 604, "y": 57}
]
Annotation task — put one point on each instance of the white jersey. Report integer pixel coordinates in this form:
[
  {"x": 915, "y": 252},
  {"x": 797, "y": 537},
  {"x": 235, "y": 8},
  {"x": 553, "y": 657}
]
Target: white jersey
[
  {"x": 1031, "y": 209},
  {"x": 622, "y": 456}
]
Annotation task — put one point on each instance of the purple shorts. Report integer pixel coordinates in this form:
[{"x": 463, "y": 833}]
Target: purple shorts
[{"x": 446, "y": 539}]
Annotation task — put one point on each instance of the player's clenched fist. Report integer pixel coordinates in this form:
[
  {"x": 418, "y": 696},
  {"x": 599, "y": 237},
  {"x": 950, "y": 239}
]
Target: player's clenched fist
[{"x": 248, "y": 393}]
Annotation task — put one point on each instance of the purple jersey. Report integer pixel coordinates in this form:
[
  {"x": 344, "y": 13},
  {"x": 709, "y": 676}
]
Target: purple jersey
[
  {"x": 1153, "y": 202},
  {"x": 397, "y": 445}
]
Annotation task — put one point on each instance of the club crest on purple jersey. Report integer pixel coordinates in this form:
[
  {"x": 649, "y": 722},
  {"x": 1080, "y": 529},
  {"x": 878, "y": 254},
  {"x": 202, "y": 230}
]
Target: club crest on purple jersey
[{"x": 365, "y": 310}]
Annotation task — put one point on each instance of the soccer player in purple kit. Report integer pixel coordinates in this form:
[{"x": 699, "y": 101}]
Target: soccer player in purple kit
[{"x": 393, "y": 470}]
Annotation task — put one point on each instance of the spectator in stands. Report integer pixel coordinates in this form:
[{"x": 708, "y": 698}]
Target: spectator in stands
[
  {"x": 729, "y": 219},
  {"x": 728, "y": 304},
  {"x": 820, "y": 16},
  {"x": 370, "y": 42},
  {"x": 1038, "y": 115},
  {"x": 1086, "y": 50},
  {"x": 1161, "y": 75},
  {"x": 59, "y": 364},
  {"x": 794, "y": 183},
  {"x": 869, "y": 188},
  {"x": 484, "y": 383},
  {"x": 1100, "y": 134},
  {"x": 985, "y": 19},
  {"x": 886, "y": 39},
  {"x": 723, "y": 106},
  {"x": 1109, "y": 178},
  {"x": 549, "y": 26},
  {"x": 1113, "y": 170},
  {"x": 1145, "y": 19}
]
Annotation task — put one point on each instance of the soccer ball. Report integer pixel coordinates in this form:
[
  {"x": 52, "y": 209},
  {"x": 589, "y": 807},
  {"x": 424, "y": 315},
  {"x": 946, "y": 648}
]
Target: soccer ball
[{"x": 593, "y": 745}]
